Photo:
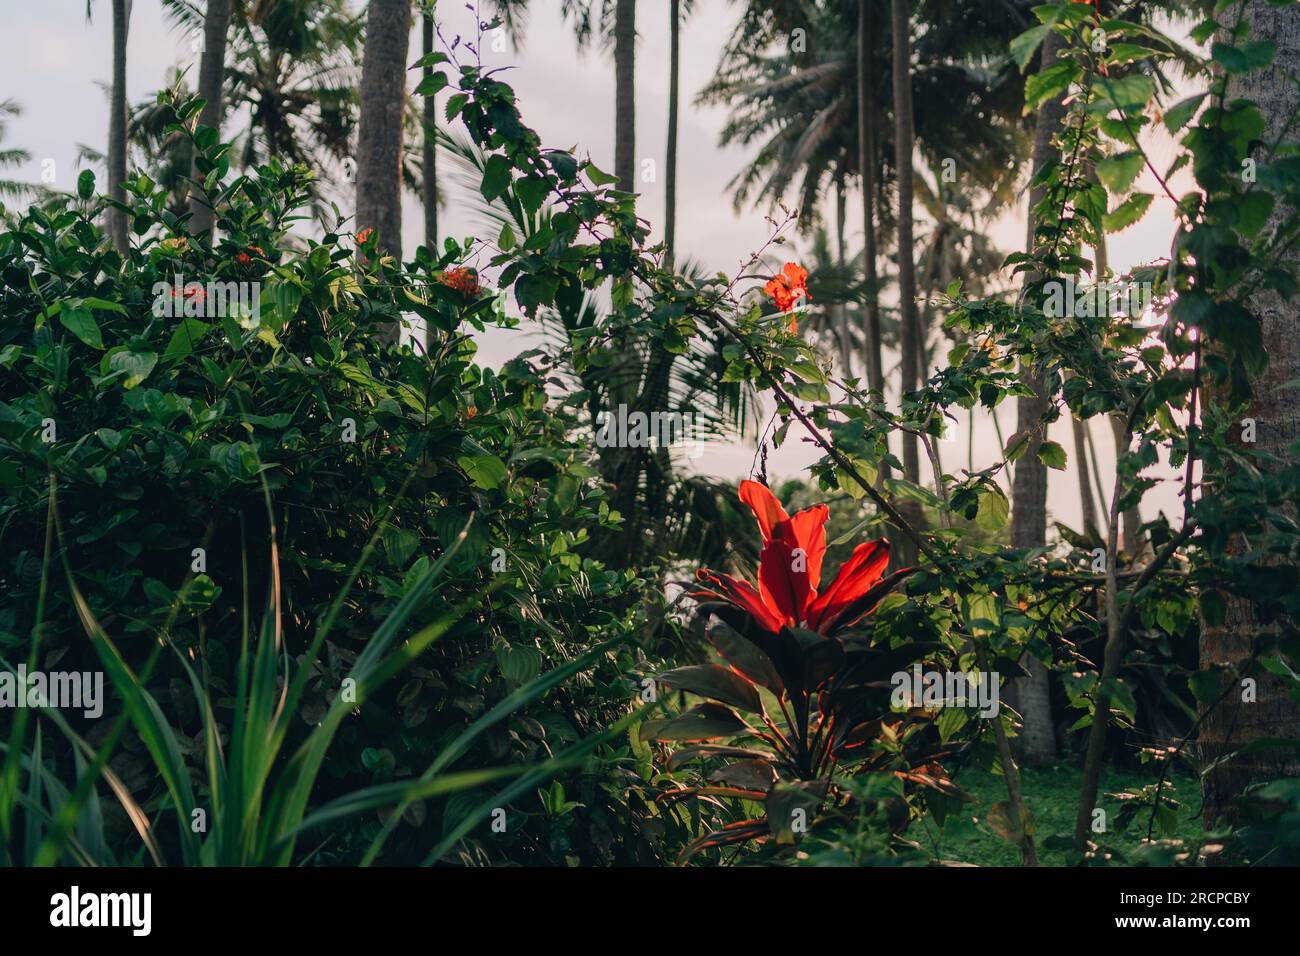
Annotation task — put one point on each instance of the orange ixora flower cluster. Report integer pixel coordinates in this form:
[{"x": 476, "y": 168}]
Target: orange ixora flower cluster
[
  {"x": 787, "y": 288},
  {"x": 463, "y": 279},
  {"x": 364, "y": 234}
]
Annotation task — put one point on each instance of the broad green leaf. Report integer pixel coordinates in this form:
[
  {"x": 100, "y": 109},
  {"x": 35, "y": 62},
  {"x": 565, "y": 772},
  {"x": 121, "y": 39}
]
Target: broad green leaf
[
  {"x": 136, "y": 366},
  {"x": 1052, "y": 455},
  {"x": 485, "y": 471},
  {"x": 79, "y": 321}
]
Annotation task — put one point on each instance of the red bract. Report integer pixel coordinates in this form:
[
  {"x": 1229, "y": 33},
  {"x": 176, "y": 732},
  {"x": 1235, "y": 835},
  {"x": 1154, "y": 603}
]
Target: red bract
[{"x": 790, "y": 567}]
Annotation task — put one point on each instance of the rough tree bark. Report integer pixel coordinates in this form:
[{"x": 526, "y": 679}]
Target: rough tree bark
[
  {"x": 670, "y": 173},
  {"x": 1029, "y": 482},
  {"x": 212, "y": 74},
  {"x": 909, "y": 338},
  {"x": 625, "y": 94},
  {"x": 429, "y": 141},
  {"x": 379, "y": 135},
  {"x": 867, "y": 161},
  {"x": 117, "y": 221},
  {"x": 1276, "y": 410}
]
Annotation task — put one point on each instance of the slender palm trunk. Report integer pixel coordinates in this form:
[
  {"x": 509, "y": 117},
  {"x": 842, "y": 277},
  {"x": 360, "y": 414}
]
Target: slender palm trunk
[
  {"x": 117, "y": 221},
  {"x": 379, "y": 133},
  {"x": 909, "y": 339},
  {"x": 1276, "y": 407},
  {"x": 842, "y": 310},
  {"x": 625, "y": 94},
  {"x": 1029, "y": 483},
  {"x": 1088, "y": 504},
  {"x": 670, "y": 162},
  {"x": 212, "y": 74},
  {"x": 1132, "y": 517},
  {"x": 867, "y": 161},
  {"x": 429, "y": 141}
]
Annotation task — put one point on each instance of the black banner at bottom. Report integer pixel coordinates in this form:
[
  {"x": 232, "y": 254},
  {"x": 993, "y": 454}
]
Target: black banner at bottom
[{"x": 365, "y": 906}]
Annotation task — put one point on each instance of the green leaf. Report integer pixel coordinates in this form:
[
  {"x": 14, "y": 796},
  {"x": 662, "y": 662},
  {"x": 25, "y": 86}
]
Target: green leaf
[
  {"x": 78, "y": 320},
  {"x": 485, "y": 471},
  {"x": 519, "y": 663},
  {"x": 183, "y": 341},
  {"x": 431, "y": 84},
  {"x": 506, "y": 240},
  {"x": 1052, "y": 455},
  {"x": 598, "y": 177},
  {"x": 1023, "y": 46},
  {"x": 1118, "y": 172},
  {"x": 1049, "y": 83},
  {"x": 994, "y": 509},
  {"x": 86, "y": 184},
  {"x": 1127, "y": 212},
  {"x": 1181, "y": 112},
  {"x": 496, "y": 177},
  {"x": 1127, "y": 93}
]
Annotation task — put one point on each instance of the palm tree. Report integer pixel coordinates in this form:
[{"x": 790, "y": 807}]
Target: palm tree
[
  {"x": 670, "y": 160},
  {"x": 663, "y": 513},
  {"x": 114, "y": 219},
  {"x": 293, "y": 67},
  {"x": 909, "y": 323},
  {"x": 615, "y": 23},
  {"x": 212, "y": 74},
  {"x": 867, "y": 165},
  {"x": 1231, "y": 764},
  {"x": 379, "y": 137},
  {"x": 9, "y": 158},
  {"x": 625, "y": 93},
  {"x": 428, "y": 137}
]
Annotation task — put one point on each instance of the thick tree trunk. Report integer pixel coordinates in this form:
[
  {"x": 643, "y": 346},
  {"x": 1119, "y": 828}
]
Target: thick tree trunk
[
  {"x": 670, "y": 160},
  {"x": 867, "y": 160},
  {"x": 212, "y": 73},
  {"x": 379, "y": 135},
  {"x": 117, "y": 221},
  {"x": 1276, "y": 410},
  {"x": 625, "y": 94},
  {"x": 1029, "y": 483},
  {"x": 429, "y": 142},
  {"x": 909, "y": 339}
]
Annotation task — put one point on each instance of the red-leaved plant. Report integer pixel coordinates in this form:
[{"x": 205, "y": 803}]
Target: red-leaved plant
[{"x": 799, "y": 661}]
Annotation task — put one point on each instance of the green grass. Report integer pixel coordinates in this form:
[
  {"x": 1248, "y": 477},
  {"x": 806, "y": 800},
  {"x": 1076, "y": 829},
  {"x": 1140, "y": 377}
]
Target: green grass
[{"x": 1052, "y": 795}]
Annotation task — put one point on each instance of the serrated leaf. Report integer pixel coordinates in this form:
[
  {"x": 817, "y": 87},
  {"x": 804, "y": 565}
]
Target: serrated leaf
[
  {"x": 1052, "y": 455},
  {"x": 1128, "y": 212}
]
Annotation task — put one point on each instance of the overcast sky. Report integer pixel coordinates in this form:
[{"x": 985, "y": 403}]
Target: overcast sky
[{"x": 56, "y": 65}]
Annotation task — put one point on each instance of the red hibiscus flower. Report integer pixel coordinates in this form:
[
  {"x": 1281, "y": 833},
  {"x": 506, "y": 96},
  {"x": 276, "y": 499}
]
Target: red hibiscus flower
[
  {"x": 790, "y": 568},
  {"x": 364, "y": 235},
  {"x": 787, "y": 288}
]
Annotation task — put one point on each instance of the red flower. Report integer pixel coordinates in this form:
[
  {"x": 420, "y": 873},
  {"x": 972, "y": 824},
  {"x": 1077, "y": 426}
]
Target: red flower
[
  {"x": 790, "y": 568},
  {"x": 244, "y": 258},
  {"x": 464, "y": 280},
  {"x": 364, "y": 234},
  {"x": 787, "y": 288}
]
